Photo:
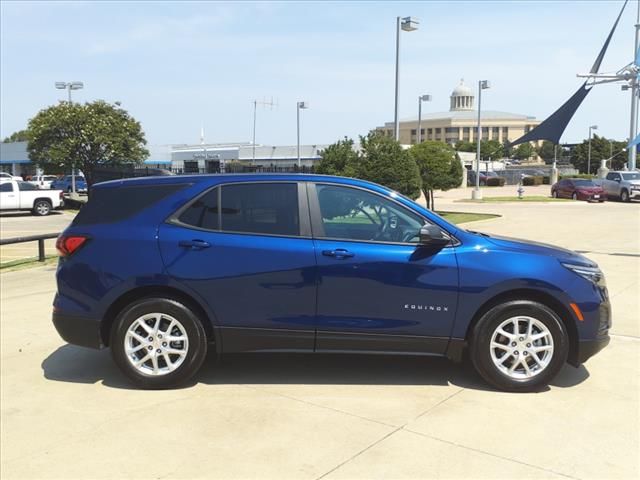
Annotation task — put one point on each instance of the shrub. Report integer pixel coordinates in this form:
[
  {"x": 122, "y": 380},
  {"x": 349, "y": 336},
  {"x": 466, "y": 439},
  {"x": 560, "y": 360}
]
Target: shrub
[
  {"x": 532, "y": 181},
  {"x": 577, "y": 175},
  {"x": 496, "y": 181}
]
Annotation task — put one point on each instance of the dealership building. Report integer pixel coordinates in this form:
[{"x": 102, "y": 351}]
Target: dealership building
[{"x": 199, "y": 158}]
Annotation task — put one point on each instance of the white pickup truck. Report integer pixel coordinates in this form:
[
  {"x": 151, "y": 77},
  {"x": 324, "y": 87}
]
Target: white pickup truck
[
  {"x": 624, "y": 185},
  {"x": 26, "y": 196}
]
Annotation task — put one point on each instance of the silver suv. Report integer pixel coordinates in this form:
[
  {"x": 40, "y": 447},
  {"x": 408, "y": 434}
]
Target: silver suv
[{"x": 622, "y": 184}]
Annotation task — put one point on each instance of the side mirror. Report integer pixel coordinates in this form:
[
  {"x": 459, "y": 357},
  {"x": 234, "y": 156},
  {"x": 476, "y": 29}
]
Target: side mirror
[{"x": 432, "y": 236}]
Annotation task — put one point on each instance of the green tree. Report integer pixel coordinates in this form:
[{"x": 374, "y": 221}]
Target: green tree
[
  {"x": 339, "y": 158},
  {"x": 524, "y": 151},
  {"x": 547, "y": 151},
  {"x": 491, "y": 149},
  {"x": 383, "y": 160},
  {"x": 85, "y": 136},
  {"x": 465, "y": 146},
  {"x": 19, "y": 136},
  {"x": 601, "y": 149},
  {"x": 488, "y": 148},
  {"x": 440, "y": 168}
]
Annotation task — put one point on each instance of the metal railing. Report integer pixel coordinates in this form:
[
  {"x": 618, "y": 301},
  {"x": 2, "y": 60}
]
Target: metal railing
[{"x": 32, "y": 238}]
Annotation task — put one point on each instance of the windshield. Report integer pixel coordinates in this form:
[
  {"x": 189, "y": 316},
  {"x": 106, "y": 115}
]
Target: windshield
[{"x": 631, "y": 176}]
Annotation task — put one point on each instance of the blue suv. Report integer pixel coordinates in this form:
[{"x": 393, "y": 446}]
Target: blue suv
[{"x": 163, "y": 269}]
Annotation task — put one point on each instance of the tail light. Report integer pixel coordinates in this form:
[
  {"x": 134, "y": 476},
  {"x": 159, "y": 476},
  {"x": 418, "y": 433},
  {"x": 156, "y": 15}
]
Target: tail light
[
  {"x": 61, "y": 195},
  {"x": 67, "y": 245}
]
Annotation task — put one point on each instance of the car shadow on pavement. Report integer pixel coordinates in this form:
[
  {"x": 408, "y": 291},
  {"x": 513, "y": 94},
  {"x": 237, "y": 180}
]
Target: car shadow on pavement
[
  {"x": 80, "y": 365},
  {"x": 25, "y": 214}
]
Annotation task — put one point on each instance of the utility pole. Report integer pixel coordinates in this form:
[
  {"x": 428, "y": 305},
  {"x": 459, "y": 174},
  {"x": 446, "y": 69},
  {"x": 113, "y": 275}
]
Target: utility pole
[{"x": 263, "y": 103}]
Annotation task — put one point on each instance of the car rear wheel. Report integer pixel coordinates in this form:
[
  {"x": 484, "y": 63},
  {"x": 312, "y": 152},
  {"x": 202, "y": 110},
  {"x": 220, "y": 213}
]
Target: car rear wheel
[
  {"x": 574, "y": 196},
  {"x": 158, "y": 343},
  {"x": 554, "y": 194},
  {"x": 624, "y": 195},
  {"x": 41, "y": 208},
  {"x": 519, "y": 346}
]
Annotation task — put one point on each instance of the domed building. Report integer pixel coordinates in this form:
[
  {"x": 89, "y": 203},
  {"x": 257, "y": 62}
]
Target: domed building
[{"x": 460, "y": 122}]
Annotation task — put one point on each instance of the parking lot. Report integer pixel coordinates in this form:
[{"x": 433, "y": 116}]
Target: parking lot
[
  {"x": 19, "y": 224},
  {"x": 67, "y": 412}
]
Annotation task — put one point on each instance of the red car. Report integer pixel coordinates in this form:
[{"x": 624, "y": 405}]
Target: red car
[{"x": 578, "y": 189}]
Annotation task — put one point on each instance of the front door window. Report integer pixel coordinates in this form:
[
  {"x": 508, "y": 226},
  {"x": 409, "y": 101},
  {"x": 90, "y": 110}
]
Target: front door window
[{"x": 354, "y": 214}]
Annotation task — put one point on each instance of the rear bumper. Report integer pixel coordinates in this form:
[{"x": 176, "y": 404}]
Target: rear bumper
[{"x": 82, "y": 331}]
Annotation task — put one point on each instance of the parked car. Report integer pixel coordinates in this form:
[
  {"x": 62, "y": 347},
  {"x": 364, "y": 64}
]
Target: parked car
[
  {"x": 471, "y": 177},
  {"x": 65, "y": 184},
  {"x": 26, "y": 196},
  {"x": 178, "y": 265},
  {"x": 578, "y": 189},
  {"x": 43, "y": 181},
  {"x": 622, "y": 184},
  {"x": 4, "y": 176}
]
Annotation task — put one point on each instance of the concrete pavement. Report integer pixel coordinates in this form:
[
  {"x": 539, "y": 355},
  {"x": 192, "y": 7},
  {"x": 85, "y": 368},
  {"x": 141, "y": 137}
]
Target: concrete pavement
[
  {"x": 18, "y": 224},
  {"x": 68, "y": 413}
]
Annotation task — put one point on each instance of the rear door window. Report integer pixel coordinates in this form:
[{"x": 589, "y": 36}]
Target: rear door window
[{"x": 258, "y": 208}]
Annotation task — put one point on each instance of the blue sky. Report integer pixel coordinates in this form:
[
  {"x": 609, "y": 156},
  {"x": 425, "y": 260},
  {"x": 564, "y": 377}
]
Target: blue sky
[{"x": 179, "y": 65}]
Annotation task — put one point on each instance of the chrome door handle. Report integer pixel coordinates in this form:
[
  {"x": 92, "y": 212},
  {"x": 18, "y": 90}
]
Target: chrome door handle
[
  {"x": 194, "y": 244},
  {"x": 339, "y": 253}
]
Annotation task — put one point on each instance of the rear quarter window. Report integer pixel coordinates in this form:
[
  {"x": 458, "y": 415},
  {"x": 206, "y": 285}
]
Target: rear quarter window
[{"x": 108, "y": 205}]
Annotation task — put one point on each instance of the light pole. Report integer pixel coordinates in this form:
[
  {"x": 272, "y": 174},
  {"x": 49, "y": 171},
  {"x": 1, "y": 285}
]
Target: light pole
[
  {"x": 71, "y": 86},
  {"x": 299, "y": 106},
  {"x": 592, "y": 127},
  {"x": 477, "y": 194},
  {"x": 421, "y": 98},
  {"x": 635, "y": 90},
  {"x": 408, "y": 24}
]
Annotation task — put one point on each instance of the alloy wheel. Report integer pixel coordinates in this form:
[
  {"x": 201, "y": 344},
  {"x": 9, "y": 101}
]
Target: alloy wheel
[
  {"x": 156, "y": 344},
  {"x": 521, "y": 347},
  {"x": 42, "y": 208}
]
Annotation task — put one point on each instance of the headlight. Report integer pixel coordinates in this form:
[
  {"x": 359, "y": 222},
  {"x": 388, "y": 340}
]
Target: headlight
[{"x": 593, "y": 274}]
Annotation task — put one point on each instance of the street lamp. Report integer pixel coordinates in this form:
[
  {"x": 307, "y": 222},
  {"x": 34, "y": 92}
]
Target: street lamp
[
  {"x": 592, "y": 127},
  {"x": 299, "y": 106},
  {"x": 477, "y": 194},
  {"x": 421, "y": 98},
  {"x": 69, "y": 86},
  {"x": 408, "y": 24}
]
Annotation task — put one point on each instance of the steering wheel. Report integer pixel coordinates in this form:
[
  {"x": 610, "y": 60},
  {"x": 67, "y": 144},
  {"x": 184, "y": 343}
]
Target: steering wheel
[
  {"x": 410, "y": 235},
  {"x": 382, "y": 229}
]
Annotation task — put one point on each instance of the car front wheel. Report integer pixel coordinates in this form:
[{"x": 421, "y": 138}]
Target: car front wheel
[
  {"x": 519, "y": 346},
  {"x": 624, "y": 196},
  {"x": 158, "y": 342}
]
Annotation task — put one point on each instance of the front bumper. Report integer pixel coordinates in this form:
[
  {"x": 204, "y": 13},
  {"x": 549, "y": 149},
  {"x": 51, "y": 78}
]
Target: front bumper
[
  {"x": 82, "y": 331},
  {"x": 588, "y": 348}
]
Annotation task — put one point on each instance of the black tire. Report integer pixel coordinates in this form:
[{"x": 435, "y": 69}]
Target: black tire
[
  {"x": 554, "y": 194},
  {"x": 624, "y": 196},
  {"x": 41, "y": 208},
  {"x": 480, "y": 350},
  {"x": 574, "y": 196},
  {"x": 196, "y": 335}
]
